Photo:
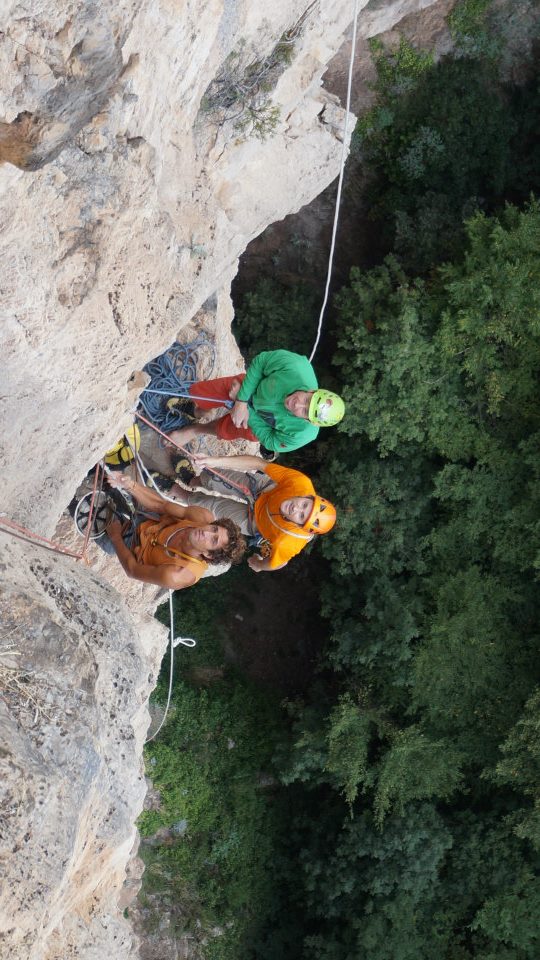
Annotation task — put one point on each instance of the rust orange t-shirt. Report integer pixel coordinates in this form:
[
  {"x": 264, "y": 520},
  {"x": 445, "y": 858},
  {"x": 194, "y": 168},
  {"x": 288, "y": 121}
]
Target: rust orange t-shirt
[
  {"x": 154, "y": 537},
  {"x": 286, "y": 538}
]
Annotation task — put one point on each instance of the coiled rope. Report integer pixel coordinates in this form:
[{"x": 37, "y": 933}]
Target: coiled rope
[{"x": 171, "y": 374}]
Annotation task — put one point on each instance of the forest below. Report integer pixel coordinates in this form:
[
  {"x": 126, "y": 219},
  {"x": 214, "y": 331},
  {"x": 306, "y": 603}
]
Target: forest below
[{"x": 381, "y": 801}]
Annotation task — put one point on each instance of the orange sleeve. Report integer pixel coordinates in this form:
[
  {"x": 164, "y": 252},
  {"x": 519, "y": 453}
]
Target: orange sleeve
[
  {"x": 285, "y": 550},
  {"x": 278, "y": 473}
]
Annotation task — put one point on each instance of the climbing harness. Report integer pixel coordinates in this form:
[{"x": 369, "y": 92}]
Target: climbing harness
[
  {"x": 171, "y": 552},
  {"x": 340, "y": 184},
  {"x": 260, "y": 544}
]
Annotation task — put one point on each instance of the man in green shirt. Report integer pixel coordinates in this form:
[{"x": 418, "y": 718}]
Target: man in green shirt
[{"x": 277, "y": 402}]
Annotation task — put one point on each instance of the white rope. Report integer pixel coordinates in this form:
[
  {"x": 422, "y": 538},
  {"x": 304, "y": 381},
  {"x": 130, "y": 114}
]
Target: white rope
[
  {"x": 175, "y": 641},
  {"x": 171, "y": 615},
  {"x": 340, "y": 184},
  {"x": 143, "y": 471}
]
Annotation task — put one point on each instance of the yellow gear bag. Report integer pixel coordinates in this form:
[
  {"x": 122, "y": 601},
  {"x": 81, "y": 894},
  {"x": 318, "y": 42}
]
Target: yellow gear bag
[{"x": 123, "y": 451}]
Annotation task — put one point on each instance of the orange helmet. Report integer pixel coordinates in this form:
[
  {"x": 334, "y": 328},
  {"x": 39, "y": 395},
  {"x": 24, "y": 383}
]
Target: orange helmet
[{"x": 322, "y": 518}]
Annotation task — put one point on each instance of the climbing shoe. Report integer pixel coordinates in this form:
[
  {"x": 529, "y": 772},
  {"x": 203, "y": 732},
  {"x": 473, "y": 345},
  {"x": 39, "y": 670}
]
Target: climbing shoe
[
  {"x": 160, "y": 481},
  {"x": 183, "y": 406},
  {"x": 183, "y": 470}
]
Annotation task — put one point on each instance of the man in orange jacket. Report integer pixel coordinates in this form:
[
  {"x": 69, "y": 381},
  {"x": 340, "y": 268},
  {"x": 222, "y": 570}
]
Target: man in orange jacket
[{"x": 279, "y": 507}]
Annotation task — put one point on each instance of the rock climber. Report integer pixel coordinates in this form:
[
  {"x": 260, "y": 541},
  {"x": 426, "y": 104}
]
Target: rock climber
[
  {"x": 174, "y": 547},
  {"x": 280, "y": 510},
  {"x": 277, "y": 402}
]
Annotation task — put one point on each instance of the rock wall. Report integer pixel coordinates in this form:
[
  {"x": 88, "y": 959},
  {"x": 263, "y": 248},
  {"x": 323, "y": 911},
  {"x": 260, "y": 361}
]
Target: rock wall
[
  {"x": 76, "y": 671},
  {"x": 140, "y": 203},
  {"x": 125, "y": 202}
]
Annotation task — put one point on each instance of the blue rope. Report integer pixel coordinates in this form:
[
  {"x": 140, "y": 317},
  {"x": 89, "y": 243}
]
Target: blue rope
[{"x": 172, "y": 373}]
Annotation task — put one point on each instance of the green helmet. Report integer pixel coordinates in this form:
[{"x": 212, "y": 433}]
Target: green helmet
[{"x": 325, "y": 409}]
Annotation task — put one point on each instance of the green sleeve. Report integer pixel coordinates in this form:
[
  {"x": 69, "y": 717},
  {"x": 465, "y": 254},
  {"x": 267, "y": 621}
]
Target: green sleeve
[
  {"x": 279, "y": 440},
  {"x": 270, "y": 438},
  {"x": 256, "y": 372}
]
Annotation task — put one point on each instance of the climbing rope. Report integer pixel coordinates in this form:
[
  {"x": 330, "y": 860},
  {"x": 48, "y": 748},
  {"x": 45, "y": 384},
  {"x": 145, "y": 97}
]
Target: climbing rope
[
  {"x": 29, "y": 536},
  {"x": 148, "y": 480},
  {"x": 239, "y": 486},
  {"x": 171, "y": 374},
  {"x": 188, "y": 395},
  {"x": 175, "y": 641},
  {"x": 171, "y": 673},
  {"x": 340, "y": 184}
]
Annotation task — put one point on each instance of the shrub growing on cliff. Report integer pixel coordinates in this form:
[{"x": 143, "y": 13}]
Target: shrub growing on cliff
[
  {"x": 240, "y": 95},
  {"x": 467, "y": 22}
]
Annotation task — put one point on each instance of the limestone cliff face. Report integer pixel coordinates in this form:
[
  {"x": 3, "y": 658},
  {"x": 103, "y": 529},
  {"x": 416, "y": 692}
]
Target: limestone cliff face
[
  {"x": 76, "y": 676},
  {"x": 140, "y": 203},
  {"x": 128, "y": 189}
]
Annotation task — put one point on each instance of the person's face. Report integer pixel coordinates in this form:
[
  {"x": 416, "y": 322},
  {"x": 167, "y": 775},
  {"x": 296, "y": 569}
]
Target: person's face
[
  {"x": 298, "y": 403},
  {"x": 297, "y": 509},
  {"x": 209, "y": 538}
]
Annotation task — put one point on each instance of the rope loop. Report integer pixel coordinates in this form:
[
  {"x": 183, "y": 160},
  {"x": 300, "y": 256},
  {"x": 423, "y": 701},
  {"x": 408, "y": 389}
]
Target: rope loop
[{"x": 171, "y": 374}]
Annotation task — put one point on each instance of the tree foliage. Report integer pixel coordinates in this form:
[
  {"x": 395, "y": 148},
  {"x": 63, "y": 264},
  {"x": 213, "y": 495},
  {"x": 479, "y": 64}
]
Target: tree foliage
[
  {"x": 273, "y": 313},
  {"x": 444, "y": 140},
  {"x": 411, "y": 770},
  {"x": 431, "y": 593}
]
